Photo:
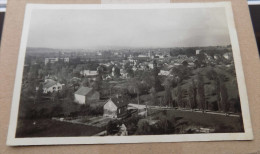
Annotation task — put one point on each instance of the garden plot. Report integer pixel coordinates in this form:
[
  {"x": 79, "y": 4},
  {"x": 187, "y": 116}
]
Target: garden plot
[{"x": 90, "y": 121}]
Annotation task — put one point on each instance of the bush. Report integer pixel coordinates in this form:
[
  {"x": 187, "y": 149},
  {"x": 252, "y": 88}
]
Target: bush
[
  {"x": 113, "y": 127},
  {"x": 143, "y": 127}
]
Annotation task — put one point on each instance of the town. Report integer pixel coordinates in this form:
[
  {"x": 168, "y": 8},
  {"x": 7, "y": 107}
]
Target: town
[{"x": 129, "y": 91}]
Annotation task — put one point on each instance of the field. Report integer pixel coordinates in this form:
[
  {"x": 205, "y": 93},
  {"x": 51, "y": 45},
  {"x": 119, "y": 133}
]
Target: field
[
  {"x": 221, "y": 123},
  {"x": 51, "y": 128}
]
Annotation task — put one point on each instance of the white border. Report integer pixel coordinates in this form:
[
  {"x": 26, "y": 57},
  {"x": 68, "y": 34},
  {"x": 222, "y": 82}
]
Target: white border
[
  {"x": 247, "y": 135},
  {"x": 253, "y": 2}
]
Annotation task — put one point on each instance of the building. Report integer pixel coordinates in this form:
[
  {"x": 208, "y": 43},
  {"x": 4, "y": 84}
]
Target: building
[
  {"x": 123, "y": 74},
  {"x": 160, "y": 56},
  {"x": 197, "y": 52},
  {"x": 143, "y": 56},
  {"x": 85, "y": 95},
  {"x": 51, "y": 86},
  {"x": 227, "y": 55},
  {"x": 50, "y": 77},
  {"x": 89, "y": 73},
  {"x": 115, "y": 108},
  {"x": 151, "y": 66},
  {"x": 164, "y": 73},
  {"x": 51, "y": 60},
  {"x": 54, "y": 60}
]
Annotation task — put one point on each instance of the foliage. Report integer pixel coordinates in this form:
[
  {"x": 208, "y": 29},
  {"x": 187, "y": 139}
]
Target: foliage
[
  {"x": 143, "y": 127},
  {"x": 201, "y": 92},
  {"x": 192, "y": 95},
  {"x": 113, "y": 127},
  {"x": 179, "y": 96}
]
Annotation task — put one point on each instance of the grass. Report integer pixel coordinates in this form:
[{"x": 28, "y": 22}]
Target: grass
[
  {"x": 222, "y": 124},
  {"x": 51, "y": 128}
]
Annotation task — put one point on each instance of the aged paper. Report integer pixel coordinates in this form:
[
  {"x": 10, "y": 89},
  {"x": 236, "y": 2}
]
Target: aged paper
[{"x": 95, "y": 74}]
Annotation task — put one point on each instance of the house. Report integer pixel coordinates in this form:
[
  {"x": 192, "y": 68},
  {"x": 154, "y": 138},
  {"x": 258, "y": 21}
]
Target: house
[
  {"x": 191, "y": 64},
  {"x": 51, "y": 60},
  {"x": 115, "y": 108},
  {"x": 159, "y": 56},
  {"x": 107, "y": 77},
  {"x": 123, "y": 74},
  {"x": 114, "y": 71},
  {"x": 88, "y": 73},
  {"x": 51, "y": 86},
  {"x": 86, "y": 94},
  {"x": 54, "y": 60},
  {"x": 50, "y": 77},
  {"x": 143, "y": 56},
  {"x": 164, "y": 72},
  {"x": 227, "y": 55},
  {"x": 151, "y": 66}
]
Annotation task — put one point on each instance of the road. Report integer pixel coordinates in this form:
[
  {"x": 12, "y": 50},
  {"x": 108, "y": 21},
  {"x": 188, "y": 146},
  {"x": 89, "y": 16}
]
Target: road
[{"x": 180, "y": 109}]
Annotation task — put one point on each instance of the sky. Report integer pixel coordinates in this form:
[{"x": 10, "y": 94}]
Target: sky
[{"x": 137, "y": 28}]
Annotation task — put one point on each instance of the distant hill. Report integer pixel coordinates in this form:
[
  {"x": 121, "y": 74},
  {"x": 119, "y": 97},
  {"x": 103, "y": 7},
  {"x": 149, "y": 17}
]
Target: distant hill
[{"x": 189, "y": 51}]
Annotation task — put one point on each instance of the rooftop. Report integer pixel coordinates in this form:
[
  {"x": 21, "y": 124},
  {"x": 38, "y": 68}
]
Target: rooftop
[
  {"x": 83, "y": 91},
  {"x": 49, "y": 83}
]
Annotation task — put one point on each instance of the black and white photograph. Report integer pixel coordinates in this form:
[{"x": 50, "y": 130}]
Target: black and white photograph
[{"x": 102, "y": 74}]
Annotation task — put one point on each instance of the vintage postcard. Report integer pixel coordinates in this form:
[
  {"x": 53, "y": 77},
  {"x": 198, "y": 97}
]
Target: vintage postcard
[{"x": 111, "y": 73}]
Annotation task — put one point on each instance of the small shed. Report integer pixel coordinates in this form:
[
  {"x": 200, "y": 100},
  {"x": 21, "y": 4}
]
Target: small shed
[{"x": 86, "y": 94}]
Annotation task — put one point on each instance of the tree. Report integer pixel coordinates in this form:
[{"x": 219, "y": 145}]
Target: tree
[
  {"x": 137, "y": 88},
  {"x": 164, "y": 125},
  {"x": 179, "y": 96},
  {"x": 153, "y": 96},
  {"x": 39, "y": 92},
  {"x": 97, "y": 85},
  {"x": 143, "y": 127},
  {"x": 167, "y": 94},
  {"x": 33, "y": 72},
  {"x": 224, "y": 98},
  {"x": 157, "y": 83},
  {"x": 130, "y": 72},
  {"x": 237, "y": 105},
  {"x": 217, "y": 89},
  {"x": 86, "y": 82},
  {"x": 192, "y": 92},
  {"x": 181, "y": 72},
  {"x": 201, "y": 58},
  {"x": 185, "y": 63},
  {"x": 201, "y": 92},
  {"x": 55, "y": 96},
  {"x": 116, "y": 72},
  {"x": 112, "y": 127}
]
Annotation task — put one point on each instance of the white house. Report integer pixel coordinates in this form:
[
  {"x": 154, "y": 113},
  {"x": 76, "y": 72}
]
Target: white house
[
  {"x": 85, "y": 94},
  {"x": 197, "y": 52},
  {"x": 51, "y": 60},
  {"x": 164, "y": 72},
  {"x": 227, "y": 56},
  {"x": 151, "y": 65},
  {"x": 143, "y": 56},
  {"x": 160, "y": 56},
  {"x": 51, "y": 86},
  {"x": 54, "y": 60},
  {"x": 123, "y": 74},
  {"x": 88, "y": 73},
  {"x": 115, "y": 108}
]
